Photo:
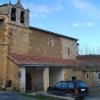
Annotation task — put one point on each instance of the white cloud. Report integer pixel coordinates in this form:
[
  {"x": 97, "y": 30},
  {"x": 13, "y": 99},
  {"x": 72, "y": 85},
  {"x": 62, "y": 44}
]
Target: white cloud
[
  {"x": 76, "y": 24},
  {"x": 84, "y": 24},
  {"x": 86, "y": 7},
  {"x": 43, "y": 10},
  {"x": 89, "y": 24}
]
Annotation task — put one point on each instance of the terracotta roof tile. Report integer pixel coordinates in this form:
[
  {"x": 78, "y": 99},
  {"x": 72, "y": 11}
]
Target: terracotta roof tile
[{"x": 24, "y": 59}]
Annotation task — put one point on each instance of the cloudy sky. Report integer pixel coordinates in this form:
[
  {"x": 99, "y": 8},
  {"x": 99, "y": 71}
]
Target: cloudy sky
[{"x": 75, "y": 18}]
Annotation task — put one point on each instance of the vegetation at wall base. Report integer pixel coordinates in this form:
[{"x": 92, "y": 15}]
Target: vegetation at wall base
[{"x": 40, "y": 97}]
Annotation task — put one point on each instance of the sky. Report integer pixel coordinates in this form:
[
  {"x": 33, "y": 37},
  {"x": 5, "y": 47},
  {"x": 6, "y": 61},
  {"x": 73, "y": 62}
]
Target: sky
[{"x": 75, "y": 18}]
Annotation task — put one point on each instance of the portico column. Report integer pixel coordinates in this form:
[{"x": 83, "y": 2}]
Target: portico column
[
  {"x": 23, "y": 79},
  {"x": 45, "y": 78}
]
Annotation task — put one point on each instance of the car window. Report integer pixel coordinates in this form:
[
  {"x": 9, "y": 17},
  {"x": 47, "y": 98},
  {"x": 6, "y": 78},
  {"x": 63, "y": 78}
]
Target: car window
[
  {"x": 80, "y": 84},
  {"x": 70, "y": 85},
  {"x": 58, "y": 85},
  {"x": 64, "y": 85}
]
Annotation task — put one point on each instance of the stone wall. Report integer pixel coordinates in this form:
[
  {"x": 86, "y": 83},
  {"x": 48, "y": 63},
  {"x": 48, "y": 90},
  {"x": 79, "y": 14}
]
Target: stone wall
[
  {"x": 88, "y": 77},
  {"x": 36, "y": 43},
  {"x": 13, "y": 74},
  {"x": 2, "y": 63},
  {"x": 4, "y": 10},
  {"x": 69, "y": 48},
  {"x": 70, "y": 72},
  {"x": 39, "y": 44},
  {"x": 3, "y": 47},
  {"x": 19, "y": 40}
]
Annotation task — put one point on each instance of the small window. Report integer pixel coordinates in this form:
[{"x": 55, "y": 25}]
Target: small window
[
  {"x": 13, "y": 14},
  {"x": 8, "y": 83},
  {"x": 50, "y": 42},
  {"x": 68, "y": 51},
  {"x": 22, "y": 17},
  {"x": 98, "y": 75},
  {"x": 1, "y": 22},
  {"x": 87, "y": 76},
  {"x": 74, "y": 78}
]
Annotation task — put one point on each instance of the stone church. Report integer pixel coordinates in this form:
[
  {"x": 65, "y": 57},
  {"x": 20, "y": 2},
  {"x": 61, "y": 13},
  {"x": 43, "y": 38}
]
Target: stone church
[{"x": 32, "y": 58}]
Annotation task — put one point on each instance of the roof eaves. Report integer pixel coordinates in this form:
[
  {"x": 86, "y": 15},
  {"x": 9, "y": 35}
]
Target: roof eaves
[
  {"x": 49, "y": 65},
  {"x": 57, "y": 34},
  {"x": 3, "y": 5}
]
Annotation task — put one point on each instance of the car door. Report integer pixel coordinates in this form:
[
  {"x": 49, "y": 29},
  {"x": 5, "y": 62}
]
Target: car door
[
  {"x": 70, "y": 87},
  {"x": 56, "y": 88},
  {"x": 60, "y": 88},
  {"x": 64, "y": 87}
]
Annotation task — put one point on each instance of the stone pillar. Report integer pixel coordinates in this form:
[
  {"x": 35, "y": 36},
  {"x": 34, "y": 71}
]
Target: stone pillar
[
  {"x": 23, "y": 79},
  {"x": 46, "y": 78}
]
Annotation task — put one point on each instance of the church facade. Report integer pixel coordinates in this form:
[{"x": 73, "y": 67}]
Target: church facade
[{"x": 33, "y": 58}]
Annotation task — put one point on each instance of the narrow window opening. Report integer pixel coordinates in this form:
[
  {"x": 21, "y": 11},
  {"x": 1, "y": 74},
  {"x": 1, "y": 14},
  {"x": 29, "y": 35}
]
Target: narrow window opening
[
  {"x": 68, "y": 51},
  {"x": 98, "y": 75},
  {"x": 22, "y": 16},
  {"x": 87, "y": 76},
  {"x": 13, "y": 14}
]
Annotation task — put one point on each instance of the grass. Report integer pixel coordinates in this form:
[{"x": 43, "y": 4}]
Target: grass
[
  {"x": 2, "y": 89},
  {"x": 37, "y": 97},
  {"x": 40, "y": 97},
  {"x": 45, "y": 98}
]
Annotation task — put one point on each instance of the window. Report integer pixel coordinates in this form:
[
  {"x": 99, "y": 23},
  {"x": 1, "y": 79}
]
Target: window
[
  {"x": 74, "y": 78},
  {"x": 70, "y": 85},
  {"x": 81, "y": 84},
  {"x": 50, "y": 41},
  {"x": 58, "y": 85},
  {"x": 68, "y": 51},
  {"x": 22, "y": 17},
  {"x": 1, "y": 22},
  {"x": 8, "y": 83},
  {"x": 64, "y": 85},
  {"x": 87, "y": 76},
  {"x": 13, "y": 14},
  {"x": 98, "y": 75},
  {"x": 61, "y": 85}
]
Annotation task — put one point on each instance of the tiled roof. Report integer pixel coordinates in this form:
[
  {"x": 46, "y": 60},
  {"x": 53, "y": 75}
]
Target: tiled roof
[
  {"x": 36, "y": 60},
  {"x": 91, "y": 62},
  {"x": 89, "y": 58}
]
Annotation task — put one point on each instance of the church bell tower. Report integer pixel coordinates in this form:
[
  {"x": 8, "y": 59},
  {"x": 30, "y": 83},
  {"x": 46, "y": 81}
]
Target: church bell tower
[{"x": 17, "y": 14}]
